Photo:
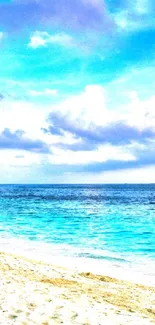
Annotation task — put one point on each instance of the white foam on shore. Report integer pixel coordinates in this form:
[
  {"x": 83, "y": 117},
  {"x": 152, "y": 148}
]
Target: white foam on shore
[{"x": 138, "y": 270}]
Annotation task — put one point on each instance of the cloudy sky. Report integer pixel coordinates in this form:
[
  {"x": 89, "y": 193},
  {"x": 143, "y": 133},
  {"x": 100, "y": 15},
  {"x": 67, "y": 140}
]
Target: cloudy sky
[{"x": 77, "y": 91}]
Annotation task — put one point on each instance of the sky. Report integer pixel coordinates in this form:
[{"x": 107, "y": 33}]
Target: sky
[{"x": 77, "y": 91}]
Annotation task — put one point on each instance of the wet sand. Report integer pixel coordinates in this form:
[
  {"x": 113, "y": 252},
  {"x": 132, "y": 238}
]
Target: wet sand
[{"x": 37, "y": 293}]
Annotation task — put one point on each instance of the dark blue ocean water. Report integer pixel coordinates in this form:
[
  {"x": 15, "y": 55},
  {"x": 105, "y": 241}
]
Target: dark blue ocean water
[{"x": 114, "y": 224}]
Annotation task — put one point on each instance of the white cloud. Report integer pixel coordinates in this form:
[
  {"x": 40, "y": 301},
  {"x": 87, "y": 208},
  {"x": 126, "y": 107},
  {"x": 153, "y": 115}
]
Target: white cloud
[
  {"x": 91, "y": 106},
  {"x": 23, "y": 115},
  {"x": 87, "y": 108},
  {"x": 127, "y": 24},
  {"x": 137, "y": 15},
  {"x": 136, "y": 175},
  {"x": 45, "y": 92},
  {"x": 142, "y": 7},
  {"x": 124, "y": 21},
  {"x": 39, "y": 39},
  {"x": 1, "y": 36},
  {"x": 141, "y": 113},
  {"x": 143, "y": 175},
  {"x": 19, "y": 158},
  {"x": 102, "y": 154}
]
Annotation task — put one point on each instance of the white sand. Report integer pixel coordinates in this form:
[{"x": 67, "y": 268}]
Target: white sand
[{"x": 38, "y": 293}]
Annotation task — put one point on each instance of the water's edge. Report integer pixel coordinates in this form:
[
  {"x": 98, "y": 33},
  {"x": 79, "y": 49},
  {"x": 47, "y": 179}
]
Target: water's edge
[
  {"x": 108, "y": 229},
  {"x": 140, "y": 272}
]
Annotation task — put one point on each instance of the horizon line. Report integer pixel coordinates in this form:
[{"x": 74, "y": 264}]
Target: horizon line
[{"x": 123, "y": 183}]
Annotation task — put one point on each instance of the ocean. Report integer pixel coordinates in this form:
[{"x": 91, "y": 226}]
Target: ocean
[{"x": 108, "y": 229}]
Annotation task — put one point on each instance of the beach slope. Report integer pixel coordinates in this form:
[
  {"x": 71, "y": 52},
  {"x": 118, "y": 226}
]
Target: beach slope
[{"x": 37, "y": 293}]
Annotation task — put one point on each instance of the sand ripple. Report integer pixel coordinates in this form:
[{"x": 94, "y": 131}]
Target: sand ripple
[{"x": 37, "y": 293}]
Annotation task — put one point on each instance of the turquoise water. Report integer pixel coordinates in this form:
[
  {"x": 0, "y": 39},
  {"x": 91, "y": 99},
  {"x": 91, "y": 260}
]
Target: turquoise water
[{"x": 106, "y": 225}]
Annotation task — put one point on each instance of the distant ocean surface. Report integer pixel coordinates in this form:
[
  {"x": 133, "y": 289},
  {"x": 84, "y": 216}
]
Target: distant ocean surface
[{"x": 108, "y": 229}]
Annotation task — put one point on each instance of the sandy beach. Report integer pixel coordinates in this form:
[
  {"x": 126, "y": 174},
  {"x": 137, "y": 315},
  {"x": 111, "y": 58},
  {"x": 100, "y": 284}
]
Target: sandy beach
[{"x": 37, "y": 293}]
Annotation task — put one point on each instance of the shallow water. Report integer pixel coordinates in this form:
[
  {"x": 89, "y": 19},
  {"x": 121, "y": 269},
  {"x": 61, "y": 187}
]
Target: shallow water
[{"x": 107, "y": 226}]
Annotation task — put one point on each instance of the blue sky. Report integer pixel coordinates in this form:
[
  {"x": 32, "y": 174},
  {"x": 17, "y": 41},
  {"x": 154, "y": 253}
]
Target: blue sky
[{"x": 77, "y": 91}]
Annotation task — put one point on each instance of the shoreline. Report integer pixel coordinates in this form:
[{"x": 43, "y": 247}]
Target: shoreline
[
  {"x": 136, "y": 270},
  {"x": 34, "y": 292}
]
